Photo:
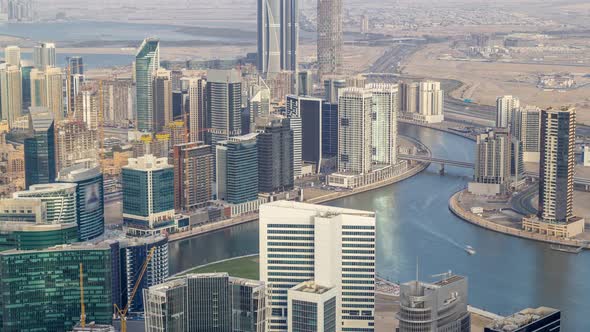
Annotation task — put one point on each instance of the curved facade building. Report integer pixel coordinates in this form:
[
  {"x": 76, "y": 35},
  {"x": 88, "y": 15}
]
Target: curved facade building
[
  {"x": 89, "y": 197},
  {"x": 59, "y": 198}
]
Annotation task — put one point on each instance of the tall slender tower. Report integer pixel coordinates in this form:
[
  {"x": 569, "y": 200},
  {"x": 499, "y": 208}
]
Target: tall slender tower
[
  {"x": 44, "y": 55},
  {"x": 329, "y": 29},
  {"x": 278, "y": 35},
  {"x": 10, "y": 93},
  {"x": 355, "y": 130},
  {"x": 162, "y": 99},
  {"x": 147, "y": 61},
  {"x": 558, "y": 159},
  {"x": 505, "y": 106},
  {"x": 224, "y": 102}
]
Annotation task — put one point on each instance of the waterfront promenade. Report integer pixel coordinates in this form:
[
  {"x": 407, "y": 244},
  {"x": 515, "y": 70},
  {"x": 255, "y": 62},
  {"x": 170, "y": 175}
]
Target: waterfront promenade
[{"x": 466, "y": 215}]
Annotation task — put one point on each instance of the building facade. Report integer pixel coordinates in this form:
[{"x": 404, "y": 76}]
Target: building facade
[
  {"x": 278, "y": 35},
  {"x": 526, "y": 127},
  {"x": 148, "y": 195},
  {"x": 147, "y": 62},
  {"x": 162, "y": 99},
  {"x": 89, "y": 197},
  {"x": 197, "y": 88},
  {"x": 334, "y": 247},
  {"x": 275, "y": 156},
  {"x": 44, "y": 55},
  {"x": 11, "y": 99},
  {"x": 40, "y": 153},
  {"x": 439, "y": 306},
  {"x": 384, "y": 123},
  {"x": 312, "y": 308},
  {"x": 237, "y": 169},
  {"x": 330, "y": 36},
  {"x": 493, "y": 160},
  {"x": 541, "y": 319},
  {"x": 505, "y": 107},
  {"x": 59, "y": 198},
  {"x": 193, "y": 175},
  {"x": 224, "y": 103},
  {"x": 309, "y": 109},
  {"x": 329, "y": 129},
  {"x": 355, "y": 130}
]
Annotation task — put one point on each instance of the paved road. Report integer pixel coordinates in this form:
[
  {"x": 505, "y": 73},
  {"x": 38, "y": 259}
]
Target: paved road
[{"x": 522, "y": 203}]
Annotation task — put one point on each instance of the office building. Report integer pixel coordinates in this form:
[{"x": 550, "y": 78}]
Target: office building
[
  {"x": 40, "y": 153},
  {"x": 439, "y": 306},
  {"x": 556, "y": 176},
  {"x": 431, "y": 100},
  {"x": 41, "y": 288},
  {"x": 259, "y": 103},
  {"x": 197, "y": 93},
  {"x": 492, "y": 163},
  {"x": 355, "y": 130},
  {"x": 278, "y": 35},
  {"x": 133, "y": 253},
  {"x": 147, "y": 62},
  {"x": 505, "y": 106},
  {"x": 193, "y": 175},
  {"x": 11, "y": 98},
  {"x": 312, "y": 307},
  {"x": 237, "y": 169},
  {"x": 26, "y": 69},
  {"x": 47, "y": 90},
  {"x": 89, "y": 197},
  {"x": 206, "y": 302},
  {"x": 541, "y": 319},
  {"x": 409, "y": 98},
  {"x": 330, "y": 36},
  {"x": 12, "y": 55},
  {"x": 335, "y": 247},
  {"x": 75, "y": 142},
  {"x": 75, "y": 79},
  {"x": 309, "y": 110},
  {"x": 516, "y": 160},
  {"x": 281, "y": 84},
  {"x": 275, "y": 156},
  {"x": 329, "y": 129},
  {"x": 296, "y": 126},
  {"x": 304, "y": 83},
  {"x": 24, "y": 226},
  {"x": 44, "y": 56},
  {"x": 162, "y": 99},
  {"x": 148, "y": 195},
  {"x": 331, "y": 87},
  {"x": 384, "y": 123},
  {"x": 526, "y": 127},
  {"x": 224, "y": 103},
  {"x": 59, "y": 198}
]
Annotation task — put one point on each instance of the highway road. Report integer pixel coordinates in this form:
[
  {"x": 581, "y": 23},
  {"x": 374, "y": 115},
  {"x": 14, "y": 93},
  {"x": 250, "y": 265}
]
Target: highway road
[{"x": 522, "y": 202}]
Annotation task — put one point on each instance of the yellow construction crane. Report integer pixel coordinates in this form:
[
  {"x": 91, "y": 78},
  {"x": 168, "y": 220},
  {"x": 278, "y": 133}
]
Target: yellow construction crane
[
  {"x": 82, "y": 308},
  {"x": 123, "y": 312}
]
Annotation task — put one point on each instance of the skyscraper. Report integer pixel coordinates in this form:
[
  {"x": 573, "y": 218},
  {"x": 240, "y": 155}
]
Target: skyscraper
[
  {"x": 329, "y": 39},
  {"x": 526, "y": 127},
  {"x": 147, "y": 62},
  {"x": 206, "y": 302},
  {"x": 334, "y": 247},
  {"x": 12, "y": 55},
  {"x": 312, "y": 307},
  {"x": 309, "y": 109},
  {"x": 431, "y": 101},
  {"x": 555, "y": 215},
  {"x": 384, "y": 128},
  {"x": 224, "y": 102},
  {"x": 540, "y": 319},
  {"x": 237, "y": 169},
  {"x": 304, "y": 83},
  {"x": 275, "y": 156},
  {"x": 41, "y": 288},
  {"x": 59, "y": 198},
  {"x": 193, "y": 175},
  {"x": 162, "y": 99},
  {"x": 355, "y": 127},
  {"x": 331, "y": 88},
  {"x": 40, "y": 164},
  {"x": 409, "y": 97},
  {"x": 75, "y": 142},
  {"x": 505, "y": 106},
  {"x": 148, "y": 195},
  {"x": 11, "y": 105},
  {"x": 329, "y": 129},
  {"x": 44, "y": 55},
  {"x": 89, "y": 197},
  {"x": 439, "y": 306},
  {"x": 556, "y": 179},
  {"x": 197, "y": 101},
  {"x": 492, "y": 163},
  {"x": 75, "y": 78},
  {"x": 47, "y": 90},
  {"x": 278, "y": 34}
]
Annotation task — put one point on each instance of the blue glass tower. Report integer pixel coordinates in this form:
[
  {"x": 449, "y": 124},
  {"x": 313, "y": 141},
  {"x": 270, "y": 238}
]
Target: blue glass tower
[
  {"x": 40, "y": 149},
  {"x": 89, "y": 197},
  {"x": 237, "y": 169},
  {"x": 147, "y": 61}
]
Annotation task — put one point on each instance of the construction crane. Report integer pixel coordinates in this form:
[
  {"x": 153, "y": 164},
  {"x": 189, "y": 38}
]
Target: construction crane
[
  {"x": 123, "y": 312},
  {"x": 82, "y": 308}
]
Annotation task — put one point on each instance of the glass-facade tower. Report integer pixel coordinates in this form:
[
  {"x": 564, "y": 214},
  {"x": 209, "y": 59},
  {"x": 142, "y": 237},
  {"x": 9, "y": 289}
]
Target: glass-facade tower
[
  {"x": 40, "y": 149},
  {"x": 147, "y": 61}
]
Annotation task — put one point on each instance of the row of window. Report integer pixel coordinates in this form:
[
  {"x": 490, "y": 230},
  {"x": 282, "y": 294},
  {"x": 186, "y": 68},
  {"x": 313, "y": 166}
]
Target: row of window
[
  {"x": 359, "y": 233},
  {"x": 305, "y": 250},
  {"x": 358, "y": 245},
  {"x": 289, "y": 226},
  {"x": 358, "y": 227},
  {"x": 290, "y": 256},
  {"x": 289, "y": 238},
  {"x": 281, "y": 231}
]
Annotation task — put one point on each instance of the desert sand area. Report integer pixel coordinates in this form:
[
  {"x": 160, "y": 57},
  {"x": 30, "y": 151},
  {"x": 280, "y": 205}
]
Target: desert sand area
[{"x": 485, "y": 81}]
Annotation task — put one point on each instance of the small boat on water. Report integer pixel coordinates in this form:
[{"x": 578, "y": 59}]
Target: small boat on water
[
  {"x": 567, "y": 249},
  {"x": 470, "y": 250}
]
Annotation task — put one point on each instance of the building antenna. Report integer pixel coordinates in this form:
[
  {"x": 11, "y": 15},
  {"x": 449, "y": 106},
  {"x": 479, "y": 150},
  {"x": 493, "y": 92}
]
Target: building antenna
[{"x": 417, "y": 265}]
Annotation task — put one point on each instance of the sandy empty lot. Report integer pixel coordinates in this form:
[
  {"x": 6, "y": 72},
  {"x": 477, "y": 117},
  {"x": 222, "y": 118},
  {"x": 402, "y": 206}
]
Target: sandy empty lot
[{"x": 484, "y": 81}]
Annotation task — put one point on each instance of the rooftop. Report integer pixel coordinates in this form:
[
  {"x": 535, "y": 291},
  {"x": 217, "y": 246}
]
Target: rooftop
[
  {"x": 320, "y": 209},
  {"x": 521, "y": 318},
  {"x": 311, "y": 287}
]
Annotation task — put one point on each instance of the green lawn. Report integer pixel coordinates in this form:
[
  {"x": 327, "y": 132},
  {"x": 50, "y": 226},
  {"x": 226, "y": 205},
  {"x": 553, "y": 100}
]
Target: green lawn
[{"x": 240, "y": 267}]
